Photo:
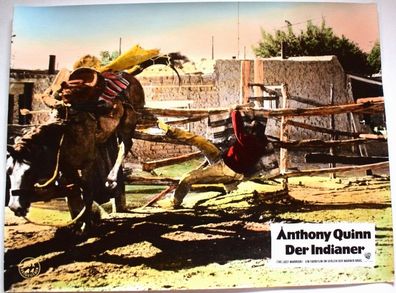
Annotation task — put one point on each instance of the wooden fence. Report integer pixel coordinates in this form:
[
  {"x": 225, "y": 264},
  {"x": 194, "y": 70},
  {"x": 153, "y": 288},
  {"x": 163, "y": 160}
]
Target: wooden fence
[{"x": 265, "y": 98}]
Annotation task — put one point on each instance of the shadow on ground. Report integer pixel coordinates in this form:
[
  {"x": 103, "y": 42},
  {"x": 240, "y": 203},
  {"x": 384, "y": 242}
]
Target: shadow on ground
[{"x": 214, "y": 236}]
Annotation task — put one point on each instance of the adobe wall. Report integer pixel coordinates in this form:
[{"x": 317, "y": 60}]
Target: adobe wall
[
  {"x": 200, "y": 90},
  {"x": 40, "y": 83},
  {"x": 307, "y": 77}
]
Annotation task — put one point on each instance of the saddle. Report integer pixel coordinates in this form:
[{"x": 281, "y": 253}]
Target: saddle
[{"x": 92, "y": 91}]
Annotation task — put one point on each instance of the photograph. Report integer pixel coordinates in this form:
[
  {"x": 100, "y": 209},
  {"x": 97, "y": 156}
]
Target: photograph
[{"x": 198, "y": 145}]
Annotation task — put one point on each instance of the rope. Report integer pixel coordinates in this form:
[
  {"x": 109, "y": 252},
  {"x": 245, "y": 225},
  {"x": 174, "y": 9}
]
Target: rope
[
  {"x": 71, "y": 222},
  {"x": 49, "y": 181}
]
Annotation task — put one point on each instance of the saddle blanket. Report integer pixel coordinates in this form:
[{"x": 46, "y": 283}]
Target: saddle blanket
[{"x": 115, "y": 84}]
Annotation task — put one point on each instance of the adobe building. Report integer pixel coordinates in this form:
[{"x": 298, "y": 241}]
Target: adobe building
[{"x": 311, "y": 82}]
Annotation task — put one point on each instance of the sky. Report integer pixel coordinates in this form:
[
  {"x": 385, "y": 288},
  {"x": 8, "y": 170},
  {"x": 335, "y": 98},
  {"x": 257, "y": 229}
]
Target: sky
[{"x": 72, "y": 31}]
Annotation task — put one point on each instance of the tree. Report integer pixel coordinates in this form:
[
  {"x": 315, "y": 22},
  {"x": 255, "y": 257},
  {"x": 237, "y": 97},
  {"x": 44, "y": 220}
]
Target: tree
[
  {"x": 315, "y": 41},
  {"x": 374, "y": 58},
  {"x": 106, "y": 57}
]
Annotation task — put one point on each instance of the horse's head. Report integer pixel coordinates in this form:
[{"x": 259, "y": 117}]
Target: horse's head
[
  {"x": 84, "y": 86},
  {"x": 29, "y": 161},
  {"x": 19, "y": 182}
]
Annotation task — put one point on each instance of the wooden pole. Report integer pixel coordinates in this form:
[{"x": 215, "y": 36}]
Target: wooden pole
[
  {"x": 332, "y": 126},
  {"x": 283, "y": 138},
  {"x": 160, "y": 195},
  {"x": 332, "y": 170},
  {"x": 283, "y": 132},
  {"x": 351, "y": 160},
  {"x": 370, "y": 99},
  {"x": 296, "y": 144},
  {"x": 145, "y": 180},
  {"x": 317, "y": 143},
  {"x": 245, "y": 79},
  {"x": 369, "y": 107},
  {"x": 147, "y": 123},
  {"x": 322, "y": 129},
  {"x": 258, "y": 78},
  {"x": 151, "y": 165},
  {"x": 156, "y": 138}
]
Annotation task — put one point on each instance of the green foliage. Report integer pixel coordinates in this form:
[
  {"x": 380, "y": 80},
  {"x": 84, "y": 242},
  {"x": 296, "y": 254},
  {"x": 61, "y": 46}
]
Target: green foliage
[
  {"x": 106, "y": 57},
  {"x": 374, "y": 58},
  {"x": 315, "y": 41}
]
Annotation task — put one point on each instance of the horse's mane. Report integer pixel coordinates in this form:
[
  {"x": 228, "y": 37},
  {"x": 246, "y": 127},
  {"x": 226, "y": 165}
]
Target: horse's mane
[{"x": 42, "y": 137}]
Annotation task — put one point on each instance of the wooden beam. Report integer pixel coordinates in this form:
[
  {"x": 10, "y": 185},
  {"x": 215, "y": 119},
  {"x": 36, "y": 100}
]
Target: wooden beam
[
  {"x": 332, "y": 170},
  {"x": 321, "y": 129},
  {"x": 145, "y": 180},
  {"x": 147, "y": 123},
  {"x": 372, "y": 136},
  {"x": 156, "y": 138},
  {"x": 325, "y": 110},
  {"x": 151, "y": 165},
  {"x": 160, "y": 195},
  {"x": 182, "y": 112},
  {"x": 296, "y": 144},
  {"x": 266, "y": 88},
  {"x": 332, "y": 126},
  {"x": 368, "y": 107},
  {"x": 351, "y": 160},
  {"x": 317, "y": 143},
  {"x": 245, "y": 78},
  {"x": 258, "y": 77},
  {"x": 370, "y": 99},
  {"x": 271, "y": 98},
  {"x": 283, "y": 132},
  {"x": 366, "y": 80}
]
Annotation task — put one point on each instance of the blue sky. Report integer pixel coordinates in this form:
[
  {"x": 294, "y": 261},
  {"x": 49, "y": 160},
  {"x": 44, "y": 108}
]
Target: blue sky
[{"x": 72, "y": 31}]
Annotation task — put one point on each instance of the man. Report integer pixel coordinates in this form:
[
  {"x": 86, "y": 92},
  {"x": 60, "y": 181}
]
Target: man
[{"x": 249, "y": 156}]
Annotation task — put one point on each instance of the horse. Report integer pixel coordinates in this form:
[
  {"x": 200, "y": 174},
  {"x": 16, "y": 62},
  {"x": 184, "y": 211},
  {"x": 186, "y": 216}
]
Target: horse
[
  {"x": 69, "y": 152},
  {"x": 86, "y": 86},
  {"x": 72, "y": 145},
  {"x": 32, "y": 160}
]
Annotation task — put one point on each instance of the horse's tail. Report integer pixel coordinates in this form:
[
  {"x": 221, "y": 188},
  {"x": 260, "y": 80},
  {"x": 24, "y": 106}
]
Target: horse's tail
[{"x": 173, "y": 60}]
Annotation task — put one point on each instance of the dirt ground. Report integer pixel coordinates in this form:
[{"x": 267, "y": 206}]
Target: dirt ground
[{"x": 215, "y": 241}]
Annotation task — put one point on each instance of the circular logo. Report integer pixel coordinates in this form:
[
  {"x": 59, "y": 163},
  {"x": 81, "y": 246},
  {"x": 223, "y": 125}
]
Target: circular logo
[{"x": 29, "y": 267}]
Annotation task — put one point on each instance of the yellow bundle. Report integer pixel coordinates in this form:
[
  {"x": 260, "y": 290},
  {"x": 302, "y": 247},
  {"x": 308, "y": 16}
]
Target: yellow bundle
[{"x": 130, "y": 58}]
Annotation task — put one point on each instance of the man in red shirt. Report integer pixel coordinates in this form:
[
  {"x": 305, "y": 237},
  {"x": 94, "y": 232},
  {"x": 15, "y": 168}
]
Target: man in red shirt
[{"x": 249, "y": 156}]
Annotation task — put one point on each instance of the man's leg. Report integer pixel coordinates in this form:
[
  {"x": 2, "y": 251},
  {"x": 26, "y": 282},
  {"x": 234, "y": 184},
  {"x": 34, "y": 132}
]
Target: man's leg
[
  {"x": 212, "y": 174},
  {"x": 210, "y": 151}
]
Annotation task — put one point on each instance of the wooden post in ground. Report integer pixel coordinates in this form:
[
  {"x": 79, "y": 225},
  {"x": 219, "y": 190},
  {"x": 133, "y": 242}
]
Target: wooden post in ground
[
  {"x": 332, "y": 126},
  {"x": 245, "y": 79},
  {"x": 362, "y": 148},
  {"x": 258, "y": 78},
  {"x": 283, "y": 136}
]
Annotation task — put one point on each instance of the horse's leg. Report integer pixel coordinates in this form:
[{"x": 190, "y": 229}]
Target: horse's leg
[
  {"x": 111, "y": 181},
  {"x": 116, "y": 178},
  {"x": 75, "y": 202},
  {"x": 125, "y": 132},
  {"x": 119, "y": 200},
  {"x": 118, "y": 204},
  {"x": 135, "y": 96}
]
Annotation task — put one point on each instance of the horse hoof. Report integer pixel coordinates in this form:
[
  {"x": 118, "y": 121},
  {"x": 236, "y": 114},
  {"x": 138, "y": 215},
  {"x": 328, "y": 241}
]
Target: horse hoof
[
  {"x": 110, "y": 184},
  {"x": 78, "y": 232}
]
